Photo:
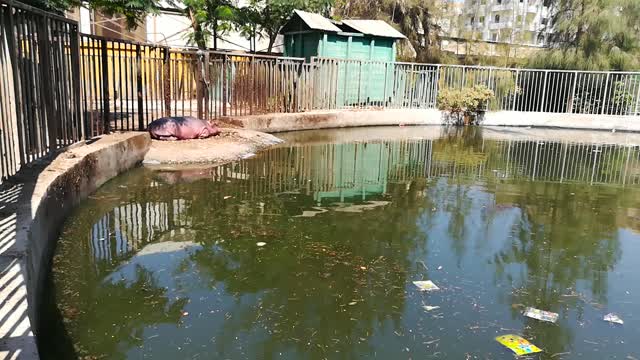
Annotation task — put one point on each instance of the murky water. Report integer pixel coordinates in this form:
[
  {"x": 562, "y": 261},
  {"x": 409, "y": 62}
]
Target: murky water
[{"x": 309, "y": 250}]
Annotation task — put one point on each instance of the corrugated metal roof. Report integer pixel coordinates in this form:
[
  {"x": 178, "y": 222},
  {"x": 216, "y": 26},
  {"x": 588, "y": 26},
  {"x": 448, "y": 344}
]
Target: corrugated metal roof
[
  {"x": 317, "y": 21},
  {"x": 374, "y": 28}
]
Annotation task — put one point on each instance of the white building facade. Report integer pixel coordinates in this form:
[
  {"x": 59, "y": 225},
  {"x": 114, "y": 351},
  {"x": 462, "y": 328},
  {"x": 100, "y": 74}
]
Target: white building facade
[{"x": 507, "y": 21}]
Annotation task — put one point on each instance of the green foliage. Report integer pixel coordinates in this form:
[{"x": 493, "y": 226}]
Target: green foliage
[
  {"x": 209, "y": 18},
  {"x": 593, "y": 35},
  {"x": 267, "y": 17},
  {"x": 464, "y": 105},
  {"x": 134, "y": 11},
  {"x": 418, "y": 20}
]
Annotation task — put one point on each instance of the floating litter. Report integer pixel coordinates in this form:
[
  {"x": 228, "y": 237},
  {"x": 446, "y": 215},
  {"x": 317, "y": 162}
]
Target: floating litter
[
  {"x": 261, "y": 244},
  {"x": 518, "y": 345},
  {"x": 426, "y": 285},
  {"x": 541, "y": 315},
  {"x": 613, "y": 318},
  {"x": 429, "y": 307}
]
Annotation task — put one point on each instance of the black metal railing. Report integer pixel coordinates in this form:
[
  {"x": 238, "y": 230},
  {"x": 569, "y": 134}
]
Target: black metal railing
[{"x": 39, "y": 85}]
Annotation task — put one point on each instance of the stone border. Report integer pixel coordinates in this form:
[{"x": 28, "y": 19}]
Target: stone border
[
  {"x": 272, "y": 123},
  {"x": 33, "y": 210}
]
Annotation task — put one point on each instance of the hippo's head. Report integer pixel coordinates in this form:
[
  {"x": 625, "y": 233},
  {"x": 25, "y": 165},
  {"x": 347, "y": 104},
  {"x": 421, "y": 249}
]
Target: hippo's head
[{"x": 209, "y": 130}]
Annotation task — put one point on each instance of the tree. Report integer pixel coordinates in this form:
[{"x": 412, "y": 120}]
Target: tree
[
  {"x": 134, "y": 11},
  {"x": 209, "y": 18},
  {"x": 269, "y": 16},
  {"x": 593, "y": 35},
  {"x": 419, "y": 20}
]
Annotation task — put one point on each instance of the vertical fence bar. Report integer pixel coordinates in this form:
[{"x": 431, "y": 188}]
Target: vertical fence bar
[
  {"x": 105, "y": 87},
  {"x": 139, "y": 89}
]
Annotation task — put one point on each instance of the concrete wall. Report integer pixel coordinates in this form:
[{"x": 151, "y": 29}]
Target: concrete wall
[
  {"x": 41, "y": 199},
  {"x": 351, "y": 118}
]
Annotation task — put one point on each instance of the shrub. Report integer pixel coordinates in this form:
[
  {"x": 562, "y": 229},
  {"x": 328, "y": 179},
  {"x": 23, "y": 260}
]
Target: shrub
[{"x": 464, "y": 105}]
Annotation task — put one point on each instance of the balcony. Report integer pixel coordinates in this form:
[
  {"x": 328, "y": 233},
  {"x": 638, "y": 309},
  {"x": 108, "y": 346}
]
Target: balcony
[
  {"x": 501, "y": 7},
  {"x": 501, "y": 25}
]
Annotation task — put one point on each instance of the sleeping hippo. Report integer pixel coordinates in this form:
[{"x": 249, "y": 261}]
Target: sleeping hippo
[{"x": 181, "y": 128}]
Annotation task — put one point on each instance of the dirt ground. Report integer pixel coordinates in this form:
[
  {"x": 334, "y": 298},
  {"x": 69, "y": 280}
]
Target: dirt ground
[{"x": 232, "y": 144}]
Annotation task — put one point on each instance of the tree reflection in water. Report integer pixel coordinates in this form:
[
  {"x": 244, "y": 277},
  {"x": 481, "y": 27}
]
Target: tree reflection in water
[{"x": 515, "y": 223}]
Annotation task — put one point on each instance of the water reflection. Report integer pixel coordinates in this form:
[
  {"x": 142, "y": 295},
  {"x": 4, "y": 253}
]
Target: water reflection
[{"x": 165, "y": 264}]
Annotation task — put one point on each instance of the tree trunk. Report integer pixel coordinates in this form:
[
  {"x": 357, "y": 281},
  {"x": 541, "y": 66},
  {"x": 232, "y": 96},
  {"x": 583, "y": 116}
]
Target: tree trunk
[
  {"x": 272, "y": 40},
  {"x": 215, "y": 35},
  {"x": 197, "y": 31}
]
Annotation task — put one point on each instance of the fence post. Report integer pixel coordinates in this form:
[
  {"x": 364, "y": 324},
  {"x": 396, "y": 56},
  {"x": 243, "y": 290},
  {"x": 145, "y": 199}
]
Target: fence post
[
  {"x": 206, "y": 80},
  {"x": 105, "y": 87},
  {"x": 75, "y": 61},
  {"x": 604, "y": 96},
  {"x": 384, "y": 90},
  {"x": 544, "y": 90},
  {"x": 166, "y": 81},
  {"x": 46, "y": 82},
  {"x": 636, "y": 111},
  {"x": 346, "y": 75},
  {"x": 573, "y": 92},
  {"x": 139, "y": 87},
  {"x": 13, "y": 54},
  {"x": 224, "y": 85},
  {"x": 199, "y": 87},
  {"x": 515, "y": 91},
  {"x": 359, "y": 80},
  {"x": 437, "y": 87}
]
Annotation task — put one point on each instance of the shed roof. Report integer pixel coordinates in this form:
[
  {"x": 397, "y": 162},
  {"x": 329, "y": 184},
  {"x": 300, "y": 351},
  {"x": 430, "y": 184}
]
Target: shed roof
[
  {"x": 317, "y": 21},
  {"x": 374, "y": 28}
]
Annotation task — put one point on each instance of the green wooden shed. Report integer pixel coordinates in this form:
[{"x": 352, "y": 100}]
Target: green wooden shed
[{"x": 309, "y": 35}]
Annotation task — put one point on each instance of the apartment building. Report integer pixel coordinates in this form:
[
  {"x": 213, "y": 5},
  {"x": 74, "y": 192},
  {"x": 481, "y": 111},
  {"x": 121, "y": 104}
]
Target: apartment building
[{"x": 507, "y": 21}]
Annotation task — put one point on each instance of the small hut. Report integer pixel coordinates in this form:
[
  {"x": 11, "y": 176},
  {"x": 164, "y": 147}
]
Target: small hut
[
  {"x": 307, "y": 34},
  {"x": 373, "y": 42}
]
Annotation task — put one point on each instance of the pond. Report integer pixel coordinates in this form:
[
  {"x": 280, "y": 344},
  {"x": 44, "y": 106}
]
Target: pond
[{"x": 310, "y": 250}]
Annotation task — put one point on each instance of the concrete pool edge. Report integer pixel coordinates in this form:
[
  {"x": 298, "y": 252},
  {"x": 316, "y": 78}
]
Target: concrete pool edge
[
  {"x": 44, "y": 197},
  {"x": 314, "y": 120}
]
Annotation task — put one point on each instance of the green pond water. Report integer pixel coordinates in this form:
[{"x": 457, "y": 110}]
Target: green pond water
[{"x": 309, "y": 251}]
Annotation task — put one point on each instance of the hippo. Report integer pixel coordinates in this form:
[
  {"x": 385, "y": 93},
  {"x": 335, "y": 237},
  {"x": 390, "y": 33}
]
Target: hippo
[{"x": 181, "y": 128}]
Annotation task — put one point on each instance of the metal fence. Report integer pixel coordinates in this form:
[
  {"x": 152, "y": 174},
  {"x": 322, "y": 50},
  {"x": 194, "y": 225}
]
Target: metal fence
[
  {"x": 126, "y": 85},
  {"x": 39, "y": 85},
  {"x": 341, "y": 83}
]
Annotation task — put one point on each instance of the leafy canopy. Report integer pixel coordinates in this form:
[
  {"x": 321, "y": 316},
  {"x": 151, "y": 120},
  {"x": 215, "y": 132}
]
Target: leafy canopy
[
  {"x": 134, "y": 11},
  {"x": 593, "y": 35}
]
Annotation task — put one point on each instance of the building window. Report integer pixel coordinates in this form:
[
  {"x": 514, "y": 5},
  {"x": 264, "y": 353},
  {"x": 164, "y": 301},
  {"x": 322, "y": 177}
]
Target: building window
[
  {"x": 544, "y": 21},
  {"x": 496, "y": 19},
  {"x": 499, "y": 2},
  {"x": 494, "y": 37},
  {"x": 518, "y": 18},
  {"x": 472, "y": 20},
  {"x": 481, "y": 20}
]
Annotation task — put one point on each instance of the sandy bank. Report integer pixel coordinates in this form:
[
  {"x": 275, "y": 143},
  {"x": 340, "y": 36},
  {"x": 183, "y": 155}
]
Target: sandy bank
[{"x": 232, "y": 144}]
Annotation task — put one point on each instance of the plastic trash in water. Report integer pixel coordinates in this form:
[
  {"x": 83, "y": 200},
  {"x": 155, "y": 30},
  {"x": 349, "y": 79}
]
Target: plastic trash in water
[
  {"x": 541, "y": 315},
  {"x": 518, "y": 345},
  {"x": 613, "y": 318},
  {"x": 261, "y": 244},
  {"x": 429, "y": 307},
  {"x": 426, "y": 285}
]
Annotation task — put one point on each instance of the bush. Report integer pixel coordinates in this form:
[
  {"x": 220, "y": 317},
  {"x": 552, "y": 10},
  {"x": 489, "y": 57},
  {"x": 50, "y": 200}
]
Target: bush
[{"x": 464, "y": 105}]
